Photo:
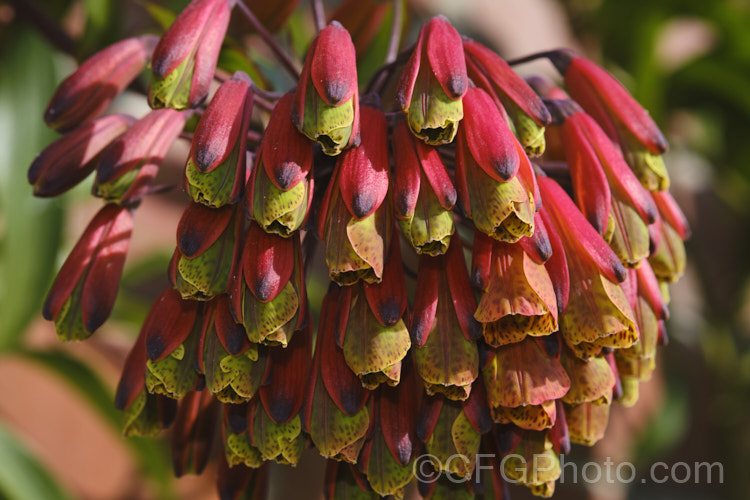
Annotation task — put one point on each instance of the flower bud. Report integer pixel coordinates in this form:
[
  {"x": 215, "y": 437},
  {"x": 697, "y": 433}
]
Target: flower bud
[
  {"x": 434, "y": 82},
  {"x": 443, "y": 322},
  {"x": 280, "y": 188},
  {"x": 268, "y": 291},
  {"x": 450, "y": 438},
  {"x": 534, "y": 464},
  {"x": 424, "y": 193},
  {"x": 281, "y": 442},
  {"x": 326, "y": 101},
  {"x": 354, "y": 217},
  {"x": 215, "y": 171},
  {"x": 597, "y": 314},
  {"x": 494, "y": 178},
  {"x": 72, "y": 157},
  {"x": 388, "y": 454},
  {"x": 606, "y": 190},
  {"x": 624, "y": 120},
  {"x": 184, "y": 60},
  {"x": 335, "y": 415},
  {"x": 344, "y": 480},
  {"x": 373, "y": 333},
  {"x": 174, "y": 328},
  {"x": 496, "y": 77},
  {"x": 238, "y": 449},
  {"x": 130, "y": 163},
  {"x": 669, "y": 258},
  {"x": 234, "y": 368},
  {"x": 205, "y": 253},
  {"x": 83, "y": 294},
  {"x": 144, "y": 414},
  {"x": 194, "y": 433},
  {"x": 92, "y": 87}
]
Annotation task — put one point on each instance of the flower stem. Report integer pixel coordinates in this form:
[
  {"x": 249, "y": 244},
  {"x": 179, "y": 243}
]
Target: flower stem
[
  {"x": 531, "y": 57},
  {"x": 319, "y": 15},
  {"x": 395, "y": 39},
  {"x": 280, "y": 53}
]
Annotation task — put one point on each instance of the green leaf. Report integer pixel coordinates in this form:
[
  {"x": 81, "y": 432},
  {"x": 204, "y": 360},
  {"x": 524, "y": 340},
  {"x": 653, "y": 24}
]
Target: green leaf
[
  {"x": 30, "y": 228},
  {"x": 22, "y": 476}
]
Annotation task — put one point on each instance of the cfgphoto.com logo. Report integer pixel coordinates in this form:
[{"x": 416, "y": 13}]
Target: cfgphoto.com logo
[{"x": 519, "y": 469}]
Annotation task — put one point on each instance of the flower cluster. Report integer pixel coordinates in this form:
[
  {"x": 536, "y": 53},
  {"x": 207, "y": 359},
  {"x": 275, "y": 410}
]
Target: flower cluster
[{"x": 555, "y": 197}]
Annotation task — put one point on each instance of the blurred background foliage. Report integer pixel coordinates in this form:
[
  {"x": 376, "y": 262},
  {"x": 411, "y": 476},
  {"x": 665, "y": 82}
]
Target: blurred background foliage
[{"x": 687, "y": 61}]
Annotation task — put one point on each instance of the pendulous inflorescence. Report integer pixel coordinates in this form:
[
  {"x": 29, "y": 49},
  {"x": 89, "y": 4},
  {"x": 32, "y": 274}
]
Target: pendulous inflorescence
[{"x": 498, "y": 250}]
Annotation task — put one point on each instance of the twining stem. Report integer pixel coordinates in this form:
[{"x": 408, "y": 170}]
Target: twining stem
[
  {"x": 319, "y": 15},
  {"x": 266, "y": 94},
  {"x": 395, "y": 39},
  {"x": 262, "y": 103},
  {"x": 531, "y": 57},
  {"x": 280, "y": 53}
]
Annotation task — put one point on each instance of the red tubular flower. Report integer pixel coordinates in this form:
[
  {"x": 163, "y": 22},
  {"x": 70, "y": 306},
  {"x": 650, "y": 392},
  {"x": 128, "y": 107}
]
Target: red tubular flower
[
  {"x": 532, "y": 461},
  {"x": 668, "y": 259},
  {"x": 589, "y": 398},
  {"x": 144, "y": 414},
  {"x": 495, "y": 181},
  {"x": 423, "y": 193},
  {"x": 519, "y": 299},
  {"x": 434, "y": 82},
  {"x": 90, "y": 89},
  {"x": 391, "y": 444},
  {"x": 268, "y": 289},
  {"x": 194, "y": 433},
  {"x": 606, "y": 190},
  {"x": 326, "y": 101},
  {"x": 215, "y": 171},
  {"x": 523, "y": 381},
  {"x": 280, "y": 190},
  {"x": 624, "y": 120},
  {"x": 233, "y": 367},
  {"x": 354, "y": 216},
  {"x": 454, "y": 429},
  {"x": 443, "y": 327},
  {"x": 597, "y": 313},
  {"x": 603, "y": 97},
  {"x": 370, "y": 325},
  {"x": 271, "y": 427},
  {"x": 492, "y": 74},
  {"x": 636, "y": 363},
  {"x": 344, "y": 480},
  {"x": 83, "y": 294},
  {"x": 175, "y": 330},
  {"x": 206, "y": 251},
  {"x": 130, "y": 163},
  {"x": 184, "y": 60},
  {"x": 234, "y": 482},
  {"x": 335, "y": 415},
  {"x": 72, "y": 157}
]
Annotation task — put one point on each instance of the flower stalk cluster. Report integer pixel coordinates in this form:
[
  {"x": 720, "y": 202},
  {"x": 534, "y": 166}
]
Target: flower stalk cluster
[{"x": 536, "y": 301}]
